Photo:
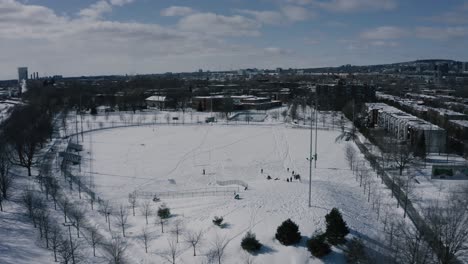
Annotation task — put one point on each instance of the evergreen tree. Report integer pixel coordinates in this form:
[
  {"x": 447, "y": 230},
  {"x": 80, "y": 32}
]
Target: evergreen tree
[
  {"x": 336, "y": 227},
  {"x": 164, "y": 212},
  {"x": 288, "y": 233},
  {"x": 317, "y": 245},
  {"x": 250, "y": 243},
  {"x": 218, "y": 220}
]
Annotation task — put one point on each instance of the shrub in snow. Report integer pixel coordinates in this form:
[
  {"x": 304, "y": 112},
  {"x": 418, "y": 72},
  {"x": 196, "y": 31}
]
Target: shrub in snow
[
  {"x": 218, "y": 220},
  {"x": 164, "y": 212},
  {"x": 355, "y": 253},
  {"x": 250, "y": 243},
  {"x": 288, "y": 233},
  {"x": 336, "y": 227},
  {"x": 317, "y": 245}
]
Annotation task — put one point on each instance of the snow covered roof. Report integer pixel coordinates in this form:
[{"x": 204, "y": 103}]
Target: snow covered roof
[
  {"x": 463, "y": 123},
  {"x": 156, "y": 98},
  {"x": 443, "y": 111},
  {"x": 403, "y": 116}
]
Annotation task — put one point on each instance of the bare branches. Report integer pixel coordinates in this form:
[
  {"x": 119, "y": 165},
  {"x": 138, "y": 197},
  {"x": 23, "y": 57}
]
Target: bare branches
[
  {"x": 95, "y": 237},
  {"x": 402, "y": 157},
  {"x": 217, "y": 252},
  {"x": 194, "y": 238},
  {"x": 350, "y": 155},
  {"x": 177, "y": 229},
  {"x": 172, "y": 253},
  {"x": 132, "y": 200},
  {"x": 77, "y": 214},
  {"x": 122, "y": 218},
  {"x": 146, "y": 210},
  {"x": 116, "y": 250},
  {"x": 449, "y": 222},
  {"x": 146, "y": 237},
  {"x": 6, "y": 179}
]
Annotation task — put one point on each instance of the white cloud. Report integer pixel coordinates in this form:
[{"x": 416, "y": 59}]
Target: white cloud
[
  {"x": 277, "y": 51},
  {"x": 177, "y": 11},
  {"x": 265, "y": 17},
  {"x": 384, "y": 32},
  {"x": 96, "y": 10},
  {"x": 382, "y": 43},
  {"x": 357, "y": 5},
  {"x": 38, "y": 37},
  {"x": 441, "y": 33},
  {"x": 296, "y": 13},
  {"x": 121, "y": 2},
  {"x": 219, "y": 25}
]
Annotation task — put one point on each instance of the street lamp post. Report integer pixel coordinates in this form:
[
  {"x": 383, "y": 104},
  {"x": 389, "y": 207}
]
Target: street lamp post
[
  {"x": 69, "y": 225},
  {"x": 310, "y": 157}
]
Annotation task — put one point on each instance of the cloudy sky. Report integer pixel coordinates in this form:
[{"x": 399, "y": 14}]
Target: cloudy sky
[{"x": 91, "y": 37}]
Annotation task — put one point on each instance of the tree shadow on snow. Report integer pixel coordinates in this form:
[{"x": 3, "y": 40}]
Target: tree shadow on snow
[
  {"x": 225, "y": 225},
  {"x": 366, "y": 238},
  {"x": 264, "y": 250}
]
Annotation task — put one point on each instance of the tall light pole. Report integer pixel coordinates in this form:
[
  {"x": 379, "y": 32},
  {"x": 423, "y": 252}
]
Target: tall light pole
[
  {"x": 310, "y": 155},
  {"x": 316, "y": 131}
]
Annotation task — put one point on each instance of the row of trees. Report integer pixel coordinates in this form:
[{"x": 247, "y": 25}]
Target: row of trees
[{"x": 443, "y": 235}]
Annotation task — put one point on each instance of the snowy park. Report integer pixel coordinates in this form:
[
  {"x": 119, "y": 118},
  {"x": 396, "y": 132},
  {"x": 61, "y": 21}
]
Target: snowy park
[{"x": 146, "y": 161}]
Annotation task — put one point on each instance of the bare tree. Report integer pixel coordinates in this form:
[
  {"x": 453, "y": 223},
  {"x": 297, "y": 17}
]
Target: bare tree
[
  {"x": 407, "y": 184},
  {"x": 178, "y": 228},
  {"x": 70, "y": 252},
  {"x": 172, "y": 253},
  {"x": 146, "y": 210},
  {"x": 146, "y": 237},
  {"x": 194, "y": 238},
  {"x": 132, "y": 200},
  {"x": 27, "y": 200},
  {"x": 218, "y": 248},
  {"x": 77, "y": 214},
  {"x": 122, "y": 218},
  {"x": 95, "y": 237},
  {"x": 45, "y": 225},
  {"x": 55, "y": 239},
  {"x": 65, "y": 207},
  {"x": 414, "y": 249},
  {"x": 6, "y": 178},
  {"x": 116, "y": 250},
  {"x": 105, "y": 209},
  {"x": 350, "y": 155},
  {"x": 39, "y": 206},
  {"x": 449, "y": 222},
  {"x": 54, "y": 188},
  {"x": 402, "y": 157},
  {"x": 27, "y": 129}
]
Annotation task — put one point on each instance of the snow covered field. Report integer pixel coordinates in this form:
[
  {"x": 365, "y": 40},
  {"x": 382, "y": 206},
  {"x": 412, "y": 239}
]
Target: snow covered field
[{"x": 172, "y": 158}]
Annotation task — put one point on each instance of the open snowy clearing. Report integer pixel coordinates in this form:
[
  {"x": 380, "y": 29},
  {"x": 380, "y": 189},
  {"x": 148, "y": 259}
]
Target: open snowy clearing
[{"x": 172, "y": 158}]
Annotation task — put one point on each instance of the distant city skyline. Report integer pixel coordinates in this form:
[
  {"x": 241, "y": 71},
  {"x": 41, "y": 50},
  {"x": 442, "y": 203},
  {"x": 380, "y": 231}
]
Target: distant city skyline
[{"x": 97, "y": 37}]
